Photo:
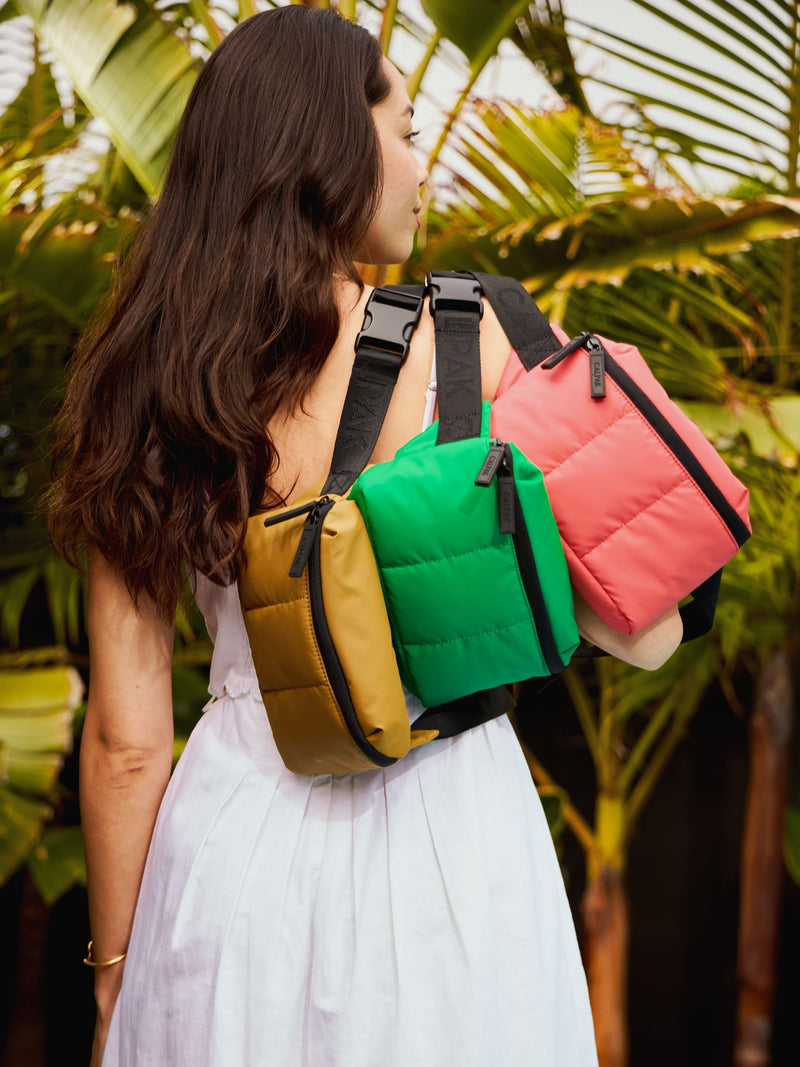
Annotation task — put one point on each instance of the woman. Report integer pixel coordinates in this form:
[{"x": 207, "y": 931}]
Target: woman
[{"x": 241, "y": 914}]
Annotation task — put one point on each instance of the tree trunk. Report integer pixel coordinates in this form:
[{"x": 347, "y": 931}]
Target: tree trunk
[
  {"x": 605, "y": 916},
  {"x": 762, "y": 870},
  {"x": 25, "y": 1043}
]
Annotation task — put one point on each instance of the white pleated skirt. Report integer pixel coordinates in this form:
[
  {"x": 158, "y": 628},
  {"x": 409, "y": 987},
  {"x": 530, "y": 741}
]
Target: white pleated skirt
[{"x": 408, "y": 917}]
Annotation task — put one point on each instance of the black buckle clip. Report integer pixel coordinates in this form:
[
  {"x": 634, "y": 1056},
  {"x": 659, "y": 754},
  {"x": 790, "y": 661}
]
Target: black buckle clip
[
  {"x": 390, "y": 319},
  {"x": 454, "y": 292}
]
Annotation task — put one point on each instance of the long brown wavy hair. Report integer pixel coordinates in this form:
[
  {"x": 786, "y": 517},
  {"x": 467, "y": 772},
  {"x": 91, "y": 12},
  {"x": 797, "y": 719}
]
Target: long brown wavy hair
[{"x": 222, "y": 310}]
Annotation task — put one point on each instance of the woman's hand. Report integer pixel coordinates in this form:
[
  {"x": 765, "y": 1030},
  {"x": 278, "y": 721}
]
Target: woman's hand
[{"x": 648, "y": 649}]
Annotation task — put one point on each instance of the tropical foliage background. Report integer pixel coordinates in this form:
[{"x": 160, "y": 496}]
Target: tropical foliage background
[{"x": 646, "y": 182}]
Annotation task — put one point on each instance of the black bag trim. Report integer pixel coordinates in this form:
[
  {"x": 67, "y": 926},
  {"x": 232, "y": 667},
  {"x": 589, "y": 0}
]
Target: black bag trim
[
  {"x": 533, "y": 589},
  {"x": 463, "y": 714},
  {"x": 330, "y": 657},
  {"x": 678, "y": 447}
]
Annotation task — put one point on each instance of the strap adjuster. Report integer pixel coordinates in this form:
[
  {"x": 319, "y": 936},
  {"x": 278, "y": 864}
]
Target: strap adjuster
[
  {"x": 450, "y": 291},
  {"x": 390, "y": 319}
]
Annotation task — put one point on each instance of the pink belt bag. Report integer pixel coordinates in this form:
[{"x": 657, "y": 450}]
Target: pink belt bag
[{"x": 648, "y": 511}]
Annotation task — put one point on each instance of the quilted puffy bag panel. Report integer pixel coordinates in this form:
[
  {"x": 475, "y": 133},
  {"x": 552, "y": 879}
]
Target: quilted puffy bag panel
[
  {"x": 639, "y": 532},
  {"x": 461, "y": 620},
  {"x": 312, "y": 637}
]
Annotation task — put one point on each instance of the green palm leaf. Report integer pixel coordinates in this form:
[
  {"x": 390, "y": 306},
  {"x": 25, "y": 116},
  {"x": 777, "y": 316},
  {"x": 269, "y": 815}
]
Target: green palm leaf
[
  {"x": 21, "y": 822},
  {"x": 106, "y": 48},
  {"x": 34, "y": 120},
  {"x": 58, "y": 862},
  {"x": 725, "y": 77},
  {"x": 36, "y": 714},
  {"x": 62, "y": 256},
  {"x": 772, "y": 429},
  {"x": 475, "y": 26},
  {"x": 568, "y": 207}
]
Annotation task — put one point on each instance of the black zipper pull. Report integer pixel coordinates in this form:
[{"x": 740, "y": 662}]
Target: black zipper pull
[
  {"x": 567, "y": 350},
  {"x": 507, "y": 495},
  {"x": 500, "y": 459},
  {"x": 597, "y": 368},
  {"x": 311, "y": 528},
  {"x": 302, "y": 509},
  {"x": 490, "y": 464}
]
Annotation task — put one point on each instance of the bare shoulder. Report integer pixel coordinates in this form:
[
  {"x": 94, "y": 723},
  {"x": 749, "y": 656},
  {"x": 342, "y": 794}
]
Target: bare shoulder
[{"x": 495, "y": 350}]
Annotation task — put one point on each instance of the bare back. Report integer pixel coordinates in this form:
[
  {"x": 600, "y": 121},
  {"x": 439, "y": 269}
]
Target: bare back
[{"x": 305, "y": 440}]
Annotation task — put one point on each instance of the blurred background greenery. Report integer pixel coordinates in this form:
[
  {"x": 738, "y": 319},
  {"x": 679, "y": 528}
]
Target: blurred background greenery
[{"x": 640, "y": 176}]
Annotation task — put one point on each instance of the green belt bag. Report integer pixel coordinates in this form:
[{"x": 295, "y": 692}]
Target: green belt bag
[{"x": 470, "y": 559}]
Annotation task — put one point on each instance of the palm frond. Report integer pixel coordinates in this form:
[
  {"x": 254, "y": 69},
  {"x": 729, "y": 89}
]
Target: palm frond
[
  {"x": 723, "y": 75},
  {"x": 104, "y": 47}
]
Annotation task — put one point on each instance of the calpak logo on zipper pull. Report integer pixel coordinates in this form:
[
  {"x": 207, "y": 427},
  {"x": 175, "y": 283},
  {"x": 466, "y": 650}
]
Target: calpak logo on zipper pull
[
  {"x": 597, "y": 368},
  {"x": 506, "y": 502},
  {"x": 490, "y": 464},
  {"x": 499, "y": 458}
]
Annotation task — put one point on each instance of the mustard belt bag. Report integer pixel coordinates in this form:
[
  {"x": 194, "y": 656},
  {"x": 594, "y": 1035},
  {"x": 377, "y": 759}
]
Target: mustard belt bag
[{"x": 321, "y": 641}]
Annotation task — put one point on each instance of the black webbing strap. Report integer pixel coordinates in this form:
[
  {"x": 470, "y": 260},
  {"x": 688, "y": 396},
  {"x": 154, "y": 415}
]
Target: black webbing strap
[
  {"x": 525, "y": 326},
  {"x": 462, "y": 714},
  {"x": 390, "y": 317},
  {"x": 698, "y": 614},
  {"x": 457, "y": 309}
]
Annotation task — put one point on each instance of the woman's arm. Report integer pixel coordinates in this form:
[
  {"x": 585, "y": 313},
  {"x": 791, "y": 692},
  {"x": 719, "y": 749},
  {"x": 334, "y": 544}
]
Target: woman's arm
[
  {"x": 648, "y": 649},
  {"x": 125, "y": 761}
]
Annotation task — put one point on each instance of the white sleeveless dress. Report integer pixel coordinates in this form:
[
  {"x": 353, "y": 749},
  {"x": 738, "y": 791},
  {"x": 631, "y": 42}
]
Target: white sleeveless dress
[{"x": 407, "y": 917}]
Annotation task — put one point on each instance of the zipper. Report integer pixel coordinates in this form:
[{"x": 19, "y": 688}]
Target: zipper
[
  {"x": 597, "y": 358},
  {"x": 310, "y": 535},
  {"x": 600, "y": 357},
  {"x": 308, "y": 554},
  {"x": 272, "y": 520},
  {"x": 500, "y": 463},
  {"x": 567, "y": 350}
]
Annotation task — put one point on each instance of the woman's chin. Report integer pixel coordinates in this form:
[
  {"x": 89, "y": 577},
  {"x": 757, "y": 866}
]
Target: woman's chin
[{"x": 389, "y": 256}]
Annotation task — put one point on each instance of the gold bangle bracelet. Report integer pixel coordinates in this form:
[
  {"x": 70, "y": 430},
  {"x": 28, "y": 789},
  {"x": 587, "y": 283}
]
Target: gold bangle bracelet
[{"x": 90, "y": 961}]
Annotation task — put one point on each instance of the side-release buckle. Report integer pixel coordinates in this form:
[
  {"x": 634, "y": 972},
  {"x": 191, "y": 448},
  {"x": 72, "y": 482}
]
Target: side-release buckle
[
  {"x": 390, "y": 319},
  {"x": 451, "y": 291}
]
